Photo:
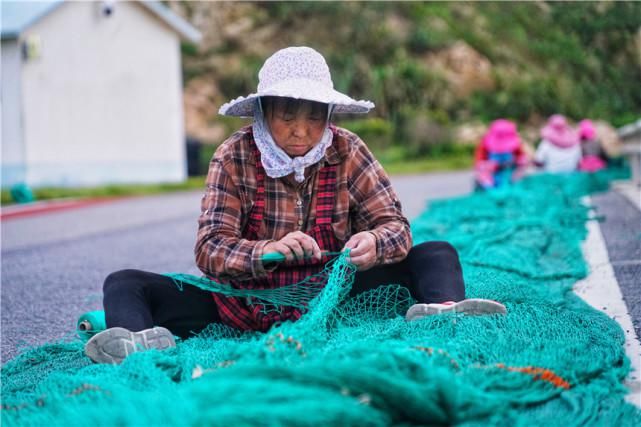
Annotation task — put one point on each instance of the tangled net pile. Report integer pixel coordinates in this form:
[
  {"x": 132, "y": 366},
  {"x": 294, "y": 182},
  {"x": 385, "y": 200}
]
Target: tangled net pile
[{"x": 552, "y": 359}]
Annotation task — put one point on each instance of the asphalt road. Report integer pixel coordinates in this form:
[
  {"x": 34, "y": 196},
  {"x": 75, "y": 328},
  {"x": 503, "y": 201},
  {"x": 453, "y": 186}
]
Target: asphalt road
[
  {"x": 53, "y": 264},
  {"x": 622, "y": 234}
]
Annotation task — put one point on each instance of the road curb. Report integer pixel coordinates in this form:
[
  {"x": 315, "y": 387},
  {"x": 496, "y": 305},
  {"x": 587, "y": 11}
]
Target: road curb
[{"x": 49, "y": 206}]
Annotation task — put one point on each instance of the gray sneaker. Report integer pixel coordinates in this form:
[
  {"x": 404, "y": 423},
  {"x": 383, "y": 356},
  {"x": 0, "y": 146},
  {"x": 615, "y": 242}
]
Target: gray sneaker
[
  {"x": 466, "y": 306},
  {"x": 114, "y": 344}
]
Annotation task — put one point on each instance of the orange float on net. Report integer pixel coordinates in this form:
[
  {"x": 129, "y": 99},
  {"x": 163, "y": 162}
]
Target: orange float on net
[{"x": 539, "y": 374}]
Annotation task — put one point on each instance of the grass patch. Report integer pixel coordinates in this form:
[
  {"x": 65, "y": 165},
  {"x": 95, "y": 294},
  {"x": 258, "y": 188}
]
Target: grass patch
[
  {"x": 398, "y": 160},
  {"x": 46, "y": 193},
  {"x": 416, "y": 166}
]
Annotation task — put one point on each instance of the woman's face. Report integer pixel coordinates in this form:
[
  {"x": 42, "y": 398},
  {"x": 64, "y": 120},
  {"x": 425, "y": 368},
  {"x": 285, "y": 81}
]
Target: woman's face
[{"x": 296, "y": 125}]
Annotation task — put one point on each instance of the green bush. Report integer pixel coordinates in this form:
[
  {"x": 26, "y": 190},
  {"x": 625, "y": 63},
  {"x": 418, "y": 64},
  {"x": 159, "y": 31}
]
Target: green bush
[
  {"x": 420, "y": 132},
  {"x": 518, "y": 100},
  {"x": 423, "y": 40},
  {"x": 240, "y": 79},
  {"x": 188, "y": 49},
  {"x": 376, "y": 132}
]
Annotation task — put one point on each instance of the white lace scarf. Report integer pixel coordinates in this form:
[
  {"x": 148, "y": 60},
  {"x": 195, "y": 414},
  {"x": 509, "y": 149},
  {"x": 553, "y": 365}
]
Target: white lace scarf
[{"x": 275, "y": 161}]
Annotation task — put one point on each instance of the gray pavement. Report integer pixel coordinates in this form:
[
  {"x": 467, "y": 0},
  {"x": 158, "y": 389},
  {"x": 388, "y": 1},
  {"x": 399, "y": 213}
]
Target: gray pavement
[
  {"x": 621, "y": 230},
  {"x": 415, "y": 191},
  {"x": 53, "y": 264}
]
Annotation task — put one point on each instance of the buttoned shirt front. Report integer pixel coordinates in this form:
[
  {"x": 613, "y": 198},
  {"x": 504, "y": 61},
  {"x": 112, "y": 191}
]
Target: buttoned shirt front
[{"x": 365, "y": 201}]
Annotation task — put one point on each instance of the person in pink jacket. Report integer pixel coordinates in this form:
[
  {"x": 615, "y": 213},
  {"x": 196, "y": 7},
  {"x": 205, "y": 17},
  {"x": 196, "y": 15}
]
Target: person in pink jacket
[
  {"x": 499, "y": 159},
  {"x": 593, "y": 159}
]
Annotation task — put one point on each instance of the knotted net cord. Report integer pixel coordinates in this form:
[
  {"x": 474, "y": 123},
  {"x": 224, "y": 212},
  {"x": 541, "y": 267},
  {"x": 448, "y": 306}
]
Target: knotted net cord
[{"x": 297, "y": 294}]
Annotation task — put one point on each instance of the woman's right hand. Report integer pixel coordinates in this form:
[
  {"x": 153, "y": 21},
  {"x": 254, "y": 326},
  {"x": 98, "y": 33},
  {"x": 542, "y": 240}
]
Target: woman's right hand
[{"x": 295, "y": 246}]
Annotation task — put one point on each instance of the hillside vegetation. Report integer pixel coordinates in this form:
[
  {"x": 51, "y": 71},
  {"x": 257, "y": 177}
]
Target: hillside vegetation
[{"x": 437, "y": 72}]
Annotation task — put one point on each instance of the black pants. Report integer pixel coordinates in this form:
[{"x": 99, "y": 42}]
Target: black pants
[{"x": 138, "y": 300}]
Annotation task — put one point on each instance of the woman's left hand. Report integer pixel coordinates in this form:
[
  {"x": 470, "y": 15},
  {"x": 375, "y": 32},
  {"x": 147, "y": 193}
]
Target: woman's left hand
[{"x": 362, "y": 250}]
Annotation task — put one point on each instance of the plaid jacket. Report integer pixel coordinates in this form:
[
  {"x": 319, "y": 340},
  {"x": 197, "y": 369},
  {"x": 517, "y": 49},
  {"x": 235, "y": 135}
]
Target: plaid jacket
[{"x": 364, "y": 200}]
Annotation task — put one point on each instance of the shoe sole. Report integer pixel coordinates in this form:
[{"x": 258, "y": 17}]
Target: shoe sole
[
  {"x": 113, "y": 345},
  {"x": 472, "y": 306}
]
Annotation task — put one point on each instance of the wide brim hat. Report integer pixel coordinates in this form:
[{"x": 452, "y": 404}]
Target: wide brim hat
[
  {"x": 299, "y": 73},
  {"x": 586, "y": 129},
  {"x": 559, "y": 132},
  {"x": 502, "y": 137}
]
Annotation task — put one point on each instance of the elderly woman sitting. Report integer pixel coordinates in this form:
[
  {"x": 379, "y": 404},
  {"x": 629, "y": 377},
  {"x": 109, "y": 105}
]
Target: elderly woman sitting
[
  {"x": 500, "y": 158},
  {"x": 295, "y": 184}
]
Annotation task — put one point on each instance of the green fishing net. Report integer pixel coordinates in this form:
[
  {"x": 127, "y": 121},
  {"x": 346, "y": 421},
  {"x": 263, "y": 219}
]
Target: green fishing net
[
  {"x": 297, "y": 294},
  {"x": 552, "y": 359}
]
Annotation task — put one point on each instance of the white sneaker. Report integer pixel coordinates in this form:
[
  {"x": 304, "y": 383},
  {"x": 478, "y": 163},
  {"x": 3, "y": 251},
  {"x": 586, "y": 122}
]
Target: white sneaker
[
  {"x": 466, "y": 306},
  {"x": 114, "y": 344}
]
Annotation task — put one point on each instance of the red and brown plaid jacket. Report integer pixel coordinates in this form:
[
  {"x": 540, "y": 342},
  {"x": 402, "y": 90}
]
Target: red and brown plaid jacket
[{"x": 364, "y": 200}]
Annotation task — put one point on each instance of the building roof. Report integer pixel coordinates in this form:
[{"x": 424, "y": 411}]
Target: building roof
[
  {"x": 17, "y": 16},
  {"x": 182, "y": 27}
]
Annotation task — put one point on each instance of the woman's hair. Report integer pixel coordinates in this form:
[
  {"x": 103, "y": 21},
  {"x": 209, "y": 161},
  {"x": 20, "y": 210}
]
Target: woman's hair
[{"x": 290, "y": 105}]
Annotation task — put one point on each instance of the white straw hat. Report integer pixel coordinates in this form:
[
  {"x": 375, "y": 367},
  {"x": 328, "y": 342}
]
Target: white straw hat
[{"x": 296, "y": 72}]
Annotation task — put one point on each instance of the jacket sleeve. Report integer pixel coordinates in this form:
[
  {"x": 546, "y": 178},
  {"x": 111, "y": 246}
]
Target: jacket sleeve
[
  {"x": 220, "y": 250},
  {"x": 540, "y": 156},
  {"x": 521, "y": 156},
  {"x": 376, "y": 208},
  {"x": 480, "y": 153}
]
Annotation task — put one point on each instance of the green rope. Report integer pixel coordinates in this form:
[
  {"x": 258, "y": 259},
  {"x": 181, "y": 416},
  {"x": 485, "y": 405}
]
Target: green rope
[{"x": 278, "y": 257}]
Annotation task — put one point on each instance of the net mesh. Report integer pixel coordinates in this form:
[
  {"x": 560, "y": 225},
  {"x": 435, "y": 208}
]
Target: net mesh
[
  {"x": 297, "y": 294},
  {"x": 552, "y": 359}
]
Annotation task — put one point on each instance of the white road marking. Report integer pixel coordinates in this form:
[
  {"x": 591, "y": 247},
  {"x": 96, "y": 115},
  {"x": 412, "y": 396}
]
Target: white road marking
[{"x": 601, "y": 290}]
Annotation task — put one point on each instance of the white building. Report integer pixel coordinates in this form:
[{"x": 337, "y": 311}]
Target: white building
[{"x": 92, "y": 93}]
